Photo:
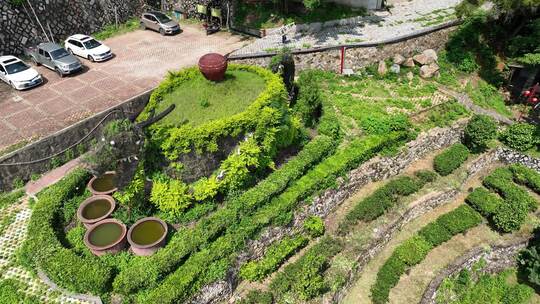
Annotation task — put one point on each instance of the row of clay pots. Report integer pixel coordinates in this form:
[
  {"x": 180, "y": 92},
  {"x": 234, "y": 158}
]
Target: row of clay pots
[
  {"x": 125, "y": 235},
  {"x": 91, "y": 223}
]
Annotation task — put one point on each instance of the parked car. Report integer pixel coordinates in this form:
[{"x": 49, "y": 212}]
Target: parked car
[
  {"x": 55, "y": 58},
  {"x": 87, "y": 47},
  {"x": 18, "y": 74},
  {"x": 160, "y": 22}
]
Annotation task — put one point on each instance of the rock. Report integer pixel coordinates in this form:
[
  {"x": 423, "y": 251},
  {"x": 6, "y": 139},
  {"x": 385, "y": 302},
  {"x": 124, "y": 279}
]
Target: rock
[
  {"x": 409, "y": 62},
  {"x": 410, "y": 76},
  {"x": 398, "y": 59},
  {"x": 382, "y": 68},
  {"x": 428, "y": 71},
  {"x": 423, "y": 59},
  {"x": 395, "y": 68},
  {"x": 431, "y": 54}
]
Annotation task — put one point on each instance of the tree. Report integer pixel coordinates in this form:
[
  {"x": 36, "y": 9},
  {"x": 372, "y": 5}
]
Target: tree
[{"x": 479, "y": 132}]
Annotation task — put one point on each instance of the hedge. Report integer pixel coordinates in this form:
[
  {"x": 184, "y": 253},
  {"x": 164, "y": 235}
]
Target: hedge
[
  {"x": 484, "y": 201},
  {"x": 304, "y": 278},
  {"x": 273, "y": 258},
  {"x": 177, "y": 140},
  {"x": 521, "y": 136},
  {"x": 525, "y": 176},
  {"x": 450, "y": 159},
  {"x": 384, "y": 198},
  {"x": 179, "y": 285},
  {"x": 258, "y": 297},
  {"x": 510, "y": 215},
  {"x": 43, "y": 250},
  {"x": 147, "y": 272},
  {"x": 415, "y": 249}
]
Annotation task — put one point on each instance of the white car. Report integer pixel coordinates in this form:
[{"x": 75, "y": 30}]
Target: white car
[
  {"x": 87, "y": 47},
  {"x": 18, "y": 74}
]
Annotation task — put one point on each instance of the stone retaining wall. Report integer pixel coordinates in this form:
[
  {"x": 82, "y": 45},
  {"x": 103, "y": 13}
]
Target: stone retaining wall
[
  {"x": 44, "y": 148},
  {"x": 357, "y": 58},
  {"x": 20, "y": 28},
  {"x": 497, "y": 258}
]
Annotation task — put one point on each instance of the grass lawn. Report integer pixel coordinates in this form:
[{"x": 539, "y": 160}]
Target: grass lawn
[
  {"x": 199, "y": 101},
  {"x": 265, "y": 15},
  {"x": 112, "y": 30}
]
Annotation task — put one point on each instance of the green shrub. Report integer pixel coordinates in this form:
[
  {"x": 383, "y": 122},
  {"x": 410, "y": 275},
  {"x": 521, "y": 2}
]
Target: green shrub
[
  {"x": 460, "y": 219},
  {"x": 303, "y": 278},
  {"x": 484, "y": 201},
  {"x": 384, "y": 198},
  {"x": 526, "y": 176},
  {"x": 309, "y": 103},
  {"x": 450, "y": 159},
  {"x": 147, "y": 272},
  {"x": 258, "y": 297},
  {"x": 387, "y": 277},
  {"x": 500, "y": 180},
  {"x": 414, "y": 250},
  {"x": 42, "y": 249},
  {"x": 314, "y": 225},
  {"x": 11, "y": 291},
  {"x": 521, "y": 136},
  {"x": 276, "y": 255},
  {"x": 435, "y": 233},
  {"x": 510, "y": 216},
  {"x": 480, "y": 130}
]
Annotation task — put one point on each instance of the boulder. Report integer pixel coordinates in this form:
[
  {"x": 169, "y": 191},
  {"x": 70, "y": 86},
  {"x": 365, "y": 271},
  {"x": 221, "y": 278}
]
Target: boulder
[
  {"x": 431, "y": 54},
  {"x": 398, "y": 59},
  {"x": 382, "y": 68},
  {"x": 428, "y": 71},
  {"x": 423, "y": 59},
  {"x": 409, "y": 62},
  {"x": 395, "y": 68}
]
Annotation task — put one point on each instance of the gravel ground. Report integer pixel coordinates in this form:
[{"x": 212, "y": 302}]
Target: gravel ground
[{"x": 401, "y": 19}]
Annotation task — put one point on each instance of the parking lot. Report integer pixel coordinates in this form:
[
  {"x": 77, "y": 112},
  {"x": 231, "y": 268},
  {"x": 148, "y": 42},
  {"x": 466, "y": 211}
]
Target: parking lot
[{"x": 141, "y": 60}]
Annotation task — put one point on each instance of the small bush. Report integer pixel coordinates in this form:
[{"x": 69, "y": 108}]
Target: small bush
[
  {"x": 314, "y": 225},
  {"x": 526, "y": 176},
  {"x": 426, "y": 176},
  {"x": 258, "y": 297},
  {"x": 387, "y": 277},
  {"x": 480, "y": 130},
  {"x": 484, "y": 201},
  {"x": 309, "y": 103},
  {"x": 273, "y": 258},
  {"x": 413, "y": 250},
  {"x": 451, "y": 159},
  {"x": 460, "y": 219},
  {"x": 510, "y": 216},
  {"x": 435, "y": 234},
  {"x": 520, "y": 136},
  {"x": 501, "y": 180}
]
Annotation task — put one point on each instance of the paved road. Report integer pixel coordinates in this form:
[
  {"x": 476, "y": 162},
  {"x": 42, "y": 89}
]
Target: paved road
[{"x": 142, "y": 59}]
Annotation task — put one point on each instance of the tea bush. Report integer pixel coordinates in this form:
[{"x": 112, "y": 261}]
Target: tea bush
[
  {"x": 450, "y": 159},
  {"x": 521, "y": 136},
  {"x": 384, "y": 198},
  {"x": 484, "y": 201},
  {"x": 526, "y": 176},
  {"x": 303, "y": 278},
  {"x": 273, "y": 258},
  {"x": 314, "y": 225},
  {"x": 415, "y": 249},
  {"x": 480, "y": 130}
]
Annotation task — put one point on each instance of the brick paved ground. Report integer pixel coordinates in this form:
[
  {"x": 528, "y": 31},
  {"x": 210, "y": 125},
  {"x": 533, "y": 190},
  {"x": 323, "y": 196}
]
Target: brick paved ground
[{"x": 142, "y": 59}]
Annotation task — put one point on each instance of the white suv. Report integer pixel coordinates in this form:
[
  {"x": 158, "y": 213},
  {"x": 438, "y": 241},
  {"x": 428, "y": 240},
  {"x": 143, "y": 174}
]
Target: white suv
[
  {"x": 18, "y": 74},
  {"x": 87, "y": 47}
]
